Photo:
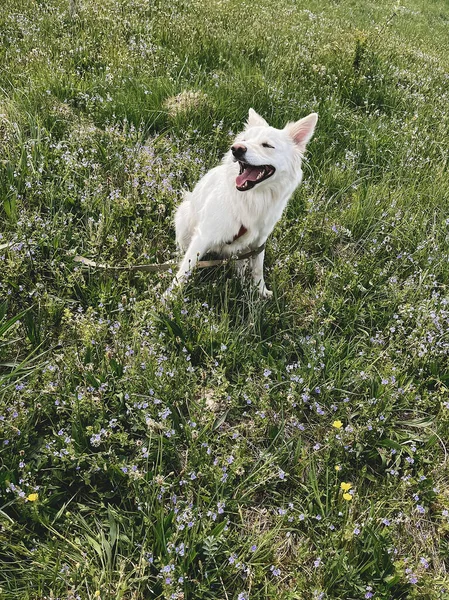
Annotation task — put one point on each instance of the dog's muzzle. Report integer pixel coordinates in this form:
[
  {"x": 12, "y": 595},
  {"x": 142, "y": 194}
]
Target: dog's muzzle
[
  {"x": 251, "y": 175},
  {"x": 238, "y": 150}
]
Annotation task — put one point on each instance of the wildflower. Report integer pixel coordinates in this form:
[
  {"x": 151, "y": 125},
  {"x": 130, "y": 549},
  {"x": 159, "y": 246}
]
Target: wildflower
[
  {"x": 347, "y": 496},
  {"x": 345, "y": 486},
  {"x": 32, "y": 497},
  {"x": 337, "y": 468},
  {"x": 337, "y": 424}
]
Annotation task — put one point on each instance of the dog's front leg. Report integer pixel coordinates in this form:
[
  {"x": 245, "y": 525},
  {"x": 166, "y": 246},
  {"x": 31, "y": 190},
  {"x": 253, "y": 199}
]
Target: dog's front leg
[
  {"x": 197, "y": 248},
  {"x": 257, "y": 275},
  {"x": 243, "y": 267}
]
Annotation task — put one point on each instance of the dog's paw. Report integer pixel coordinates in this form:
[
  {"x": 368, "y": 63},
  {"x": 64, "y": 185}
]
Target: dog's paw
[
  {"x": 169, "y": 293},
  {"x": 266, "y": 293},
  {"x": 166, "y": 298}
]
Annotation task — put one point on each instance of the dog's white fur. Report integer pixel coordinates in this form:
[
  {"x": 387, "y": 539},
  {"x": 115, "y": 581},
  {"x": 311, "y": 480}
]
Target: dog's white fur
[{"x": 211, "y": 216}]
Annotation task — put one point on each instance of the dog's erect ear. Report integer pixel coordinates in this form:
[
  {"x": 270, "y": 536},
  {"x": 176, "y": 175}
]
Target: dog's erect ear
[
  {"x": 302, "y": 130},
  {"x": 255, "y": 120}
]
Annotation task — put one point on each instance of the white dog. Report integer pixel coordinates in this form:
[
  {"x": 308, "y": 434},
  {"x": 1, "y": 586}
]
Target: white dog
[{"x": 235, "y": 206}]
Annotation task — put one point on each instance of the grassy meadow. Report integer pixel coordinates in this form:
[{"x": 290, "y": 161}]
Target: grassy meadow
[{"x": 223, "y": 447}]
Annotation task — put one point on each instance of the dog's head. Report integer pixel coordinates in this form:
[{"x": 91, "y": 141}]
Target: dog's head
[{"x": 265, "y": 153}]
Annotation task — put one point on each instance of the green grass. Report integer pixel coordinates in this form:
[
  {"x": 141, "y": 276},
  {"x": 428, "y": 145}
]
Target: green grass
[{"x": 191, "y": 451}]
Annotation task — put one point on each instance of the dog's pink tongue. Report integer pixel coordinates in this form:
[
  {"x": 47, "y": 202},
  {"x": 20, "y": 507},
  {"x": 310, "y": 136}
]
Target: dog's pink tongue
[{"x": 249, "y": 174}]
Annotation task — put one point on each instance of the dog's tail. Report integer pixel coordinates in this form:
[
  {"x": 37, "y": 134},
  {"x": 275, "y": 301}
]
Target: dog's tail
[{"x": 184, "y": 222}]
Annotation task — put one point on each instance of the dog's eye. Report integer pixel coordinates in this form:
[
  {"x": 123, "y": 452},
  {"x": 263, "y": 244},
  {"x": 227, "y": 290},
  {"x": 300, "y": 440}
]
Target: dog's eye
[{"x": 267, "y": 145}]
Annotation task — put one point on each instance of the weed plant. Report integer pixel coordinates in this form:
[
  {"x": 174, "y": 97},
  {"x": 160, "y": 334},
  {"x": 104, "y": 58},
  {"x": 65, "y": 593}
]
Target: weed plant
[{"x": 223, "y": 447}]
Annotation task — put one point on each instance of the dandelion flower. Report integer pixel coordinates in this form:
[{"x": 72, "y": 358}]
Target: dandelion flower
[
  {"x": 337, "y": 424},
  {"x": 32, "y": 497}
]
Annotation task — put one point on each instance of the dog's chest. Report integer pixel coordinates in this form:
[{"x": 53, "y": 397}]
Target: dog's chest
[{"x": 262, "y": 215}]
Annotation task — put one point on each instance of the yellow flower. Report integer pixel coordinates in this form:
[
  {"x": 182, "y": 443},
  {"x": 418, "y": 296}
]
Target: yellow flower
[
  {"x": 337, "y": 424},
  {"x": 32, "y": 497},
  {"x": 337, "y": 468},
  {"x": 347, "y": 496},
  {"x": 345, "y": 486},
  {"x": 97, "y": 594}
]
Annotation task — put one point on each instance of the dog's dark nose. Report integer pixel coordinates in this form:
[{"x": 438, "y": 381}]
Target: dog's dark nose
[{"x": 238, "y": 150}]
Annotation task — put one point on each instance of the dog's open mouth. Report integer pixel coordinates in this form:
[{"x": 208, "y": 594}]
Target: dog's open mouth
[{"x": 251, "y": 175}]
